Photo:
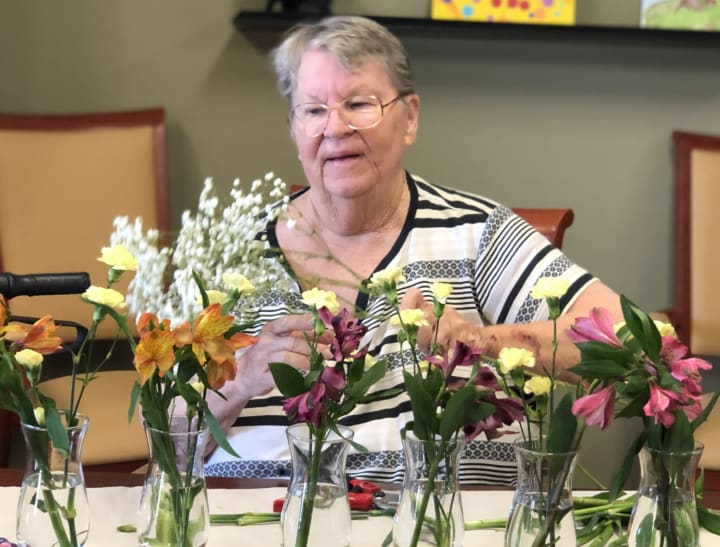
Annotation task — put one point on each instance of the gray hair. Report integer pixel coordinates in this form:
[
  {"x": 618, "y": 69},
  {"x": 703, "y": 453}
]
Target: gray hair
[{"x": 351, "y": 39}]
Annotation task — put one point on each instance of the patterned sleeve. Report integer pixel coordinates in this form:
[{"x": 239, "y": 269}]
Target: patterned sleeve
[{"x": 512, "y": 256}]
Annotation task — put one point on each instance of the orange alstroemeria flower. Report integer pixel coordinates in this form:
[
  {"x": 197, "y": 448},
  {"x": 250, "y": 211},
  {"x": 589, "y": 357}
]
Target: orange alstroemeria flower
[
  {"x": 40, "y": 336},
  {"x": 219, "y": 373},
  {"x": 208, "y": 335},
  {"x": 3, "y": 314},
  {"x": 156, "y": 348}
]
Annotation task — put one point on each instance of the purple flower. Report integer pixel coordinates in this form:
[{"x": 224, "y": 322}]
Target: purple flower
[
  {"x": 308, "y": 406},
  {"x": 334, "y": 381},
  {"x": 598, "y": 327},
  {"x": 507, "y": 411},
  {"x": 462, "y": 355},
  {"x": 348, "y": 333},
  {"x": 597, "y": 408}
]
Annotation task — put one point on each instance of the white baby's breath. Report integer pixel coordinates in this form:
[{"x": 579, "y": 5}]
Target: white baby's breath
[{"x": 215, "y": 240}]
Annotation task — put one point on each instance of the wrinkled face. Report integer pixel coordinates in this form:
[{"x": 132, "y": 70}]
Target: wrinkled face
[{"x": 344, "y": 161}]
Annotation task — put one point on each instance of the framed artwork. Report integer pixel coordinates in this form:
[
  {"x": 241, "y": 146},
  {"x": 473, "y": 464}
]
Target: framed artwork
[
  {"x": 544, "y": 12},
  {"x": 701, "y": 15}
]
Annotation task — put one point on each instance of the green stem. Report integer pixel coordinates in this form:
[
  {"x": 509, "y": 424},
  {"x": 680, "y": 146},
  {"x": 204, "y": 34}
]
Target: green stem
[
  {"x": 53, "y": 512},
  {"x": 308, "y": 496},
  {"x": 429, "y": 489}
]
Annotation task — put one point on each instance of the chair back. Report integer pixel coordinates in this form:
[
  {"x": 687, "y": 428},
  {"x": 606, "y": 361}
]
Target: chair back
[
  {"x": 551, "y": 223},
  {"x": 697, "y": 233},
  {"x": 64, "y": 178}
]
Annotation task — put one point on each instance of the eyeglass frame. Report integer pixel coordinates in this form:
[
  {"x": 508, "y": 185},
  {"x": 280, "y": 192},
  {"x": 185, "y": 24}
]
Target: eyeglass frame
[{"x": 329, "y": 109}]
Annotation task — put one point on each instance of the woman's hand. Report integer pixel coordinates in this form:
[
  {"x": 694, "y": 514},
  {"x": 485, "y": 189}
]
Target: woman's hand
[
  {"x": 280, "y": 341},
  {"x": 451, "y": 327}
]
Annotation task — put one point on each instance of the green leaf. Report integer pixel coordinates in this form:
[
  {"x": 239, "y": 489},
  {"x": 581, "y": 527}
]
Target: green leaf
[
  {"x": 217, "y": 432},
  {"x": 621, "y": 475},
  {"x": 288, "y": 379},
  {"x": 709, "y": 519},
  {"x": 458, "y": 412},
  {"x": 679, "y": 436},
  {"x": 371, "y": 376},
  {"x": 599, "y": 351},
  {"x": 642, "y": 327},
  {"x": 600, "y": 369},
  {"x": 702, "y": 417},
  {"x": 423, "y": 407},
  {"x": 134, "y": 397},
  {"x": 563, "y": 429},
  {"x": 203, "y": 291},
  {"x": 54, "y": 424}
]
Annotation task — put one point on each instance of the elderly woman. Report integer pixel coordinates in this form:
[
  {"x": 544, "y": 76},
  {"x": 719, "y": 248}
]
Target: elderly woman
[{"x": 353, "y": 113}]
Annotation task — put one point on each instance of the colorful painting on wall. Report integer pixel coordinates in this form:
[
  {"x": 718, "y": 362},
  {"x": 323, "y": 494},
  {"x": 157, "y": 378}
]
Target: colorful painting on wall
[
  {"x": 543, "y": 12},
  {"x": 702, "y": 15}
]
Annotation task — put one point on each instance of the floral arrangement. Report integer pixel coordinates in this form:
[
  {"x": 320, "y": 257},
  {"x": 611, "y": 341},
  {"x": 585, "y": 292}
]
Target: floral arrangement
[
  {"x": 213, "y": 242},
  {"x": 328, "y": 391},
  {"x": 639, "y": 369},
  {"x": 183, "y": 364},
  {"x": 52, "y": 429},
  {"x": 447, "y": 411}
]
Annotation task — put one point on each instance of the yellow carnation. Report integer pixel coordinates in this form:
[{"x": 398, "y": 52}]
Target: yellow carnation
[
  {"x": 214, "y": 297},
  {"x": 107, "y": 297},
  {"x": 29, "y": 358},
  {"x": 39, "y": 415},
  {"x": 538, "y": 385},
  {"x": 414, "y": 317},
  {"x": 388, "y": 276},
  {"x": 549, "y": 287},
  {"x": 238, "y": 282},
  {"x": 319, "y": 298},
  {"x": 512, "y": 358},
  {"x": 118, "y": 258},
  {"x": 441, "y": 291}
]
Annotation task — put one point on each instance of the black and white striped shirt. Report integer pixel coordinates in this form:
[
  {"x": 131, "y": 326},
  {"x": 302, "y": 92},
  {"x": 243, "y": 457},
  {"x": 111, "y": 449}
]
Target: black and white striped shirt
[{"x": 491, "y": 257}]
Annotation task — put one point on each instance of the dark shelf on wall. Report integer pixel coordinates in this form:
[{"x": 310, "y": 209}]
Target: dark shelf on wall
[{"x": 265, "y": 30}]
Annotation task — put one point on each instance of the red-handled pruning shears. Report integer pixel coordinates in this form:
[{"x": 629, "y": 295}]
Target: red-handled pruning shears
[{"x": 362, "y": 496}]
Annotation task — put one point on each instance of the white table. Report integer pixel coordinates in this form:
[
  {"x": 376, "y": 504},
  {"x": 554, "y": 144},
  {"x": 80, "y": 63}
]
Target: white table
[{"x": 113, "y": 506}]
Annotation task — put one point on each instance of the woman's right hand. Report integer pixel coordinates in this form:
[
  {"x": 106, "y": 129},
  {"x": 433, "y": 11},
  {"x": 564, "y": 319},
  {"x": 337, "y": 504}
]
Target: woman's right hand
[{"x": 280, "y": 341}]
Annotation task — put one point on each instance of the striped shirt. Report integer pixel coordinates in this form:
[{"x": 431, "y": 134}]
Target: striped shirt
[{"x": 491, "y": 257}]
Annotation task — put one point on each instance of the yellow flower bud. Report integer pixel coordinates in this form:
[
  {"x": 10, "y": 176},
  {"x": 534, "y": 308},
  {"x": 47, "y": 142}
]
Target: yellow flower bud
[
  {"x": 39, "y": 415},
  {"x": 198, "y": 386},
  {"x": 214, "y": 297},
  {"x": 392, "y": 275}
]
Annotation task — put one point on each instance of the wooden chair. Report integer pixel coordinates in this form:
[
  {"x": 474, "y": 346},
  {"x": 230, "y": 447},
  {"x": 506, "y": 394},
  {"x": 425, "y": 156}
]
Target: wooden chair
[
  {"x": 697, "y": 232},
  {"x": 696, "y": 263},
  {"x": 551, "y": 223},
  {"x": 64, "y": 178}
]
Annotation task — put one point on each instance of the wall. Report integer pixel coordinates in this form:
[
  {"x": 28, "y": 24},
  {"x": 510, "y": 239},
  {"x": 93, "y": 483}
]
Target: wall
[{"x": 578, "y": 125}]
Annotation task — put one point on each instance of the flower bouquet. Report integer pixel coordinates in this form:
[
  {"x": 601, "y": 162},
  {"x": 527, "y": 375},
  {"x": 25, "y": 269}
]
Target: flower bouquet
[
  {"x": 177, "y": 366},
  {"x": 640, "y": 369},
  {"x": 315, "y": 401},
  {"x": 447, "y": 412},
  {"x": 53, "y": 505}
]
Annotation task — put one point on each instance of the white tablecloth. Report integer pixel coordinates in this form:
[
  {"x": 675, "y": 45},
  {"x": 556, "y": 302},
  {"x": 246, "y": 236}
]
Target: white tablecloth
[{"x": 111, "y": 507}]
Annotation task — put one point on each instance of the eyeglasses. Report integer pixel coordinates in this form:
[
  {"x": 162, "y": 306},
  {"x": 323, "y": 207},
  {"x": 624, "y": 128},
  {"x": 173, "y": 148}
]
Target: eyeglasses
[{"x": 359, "y": 112}]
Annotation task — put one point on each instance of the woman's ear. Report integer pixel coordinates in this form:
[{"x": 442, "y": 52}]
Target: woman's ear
[{"x": 412, "y": 109}]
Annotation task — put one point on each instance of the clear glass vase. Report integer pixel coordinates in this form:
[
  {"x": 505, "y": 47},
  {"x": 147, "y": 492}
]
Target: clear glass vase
[
  {"x": 53, "y": 506},
  {"x": 174, "y": 508},
  {"x": 430, "y": 510},
  {"x": 316, "y": 511},
  {"x": 542, "y": 512},
  {"x": 665, "y": 512}
]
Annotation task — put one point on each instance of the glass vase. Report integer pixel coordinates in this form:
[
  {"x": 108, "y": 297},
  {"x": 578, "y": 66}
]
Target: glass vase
[
  {"x": 174, "y": 508},
  {"x": 316, "y": 511},
  {"x": 542, "y": 511},
  {"x": 53, "y": 505},
  {"x": 430, "y": 509},
  {"x": 665, "y": 512}
]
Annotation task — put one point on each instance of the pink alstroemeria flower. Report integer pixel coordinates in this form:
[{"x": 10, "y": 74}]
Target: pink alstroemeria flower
[
  {"x": 348, "y": 333},
  {"x": 462, "y": 355},
  {"x": 597, "y": 408},
  {"x": 598, "y": 327},
  {"x": 308, "y": 406},
  {"x": 662, "y": 405},
  {"x": 334, "y": 381}
]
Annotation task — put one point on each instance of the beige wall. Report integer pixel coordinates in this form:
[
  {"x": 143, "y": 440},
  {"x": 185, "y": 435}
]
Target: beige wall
[{"x": 579, "y": 125}]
